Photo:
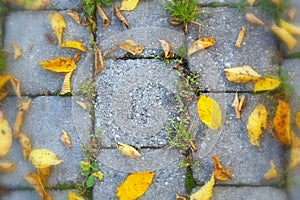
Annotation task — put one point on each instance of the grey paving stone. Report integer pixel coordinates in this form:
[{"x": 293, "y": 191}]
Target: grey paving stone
[
  {"x": 294, "y": 183},
  {"x": 231, "y": 144},
  {"x": 169, "y": 177},
  {"x": 43, "y": 123},
  {"x": 28, "y": 29},
  {"x": 33, "y": 195},
  {"x": 258, "y": 50},
  {"x": 135, "y": 99},
  {"x": 64, "y": 5}
]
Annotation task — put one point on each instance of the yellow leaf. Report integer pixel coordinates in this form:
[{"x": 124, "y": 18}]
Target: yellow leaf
[
  {"x": 219, "y": 172},
  {"x": 135, "y": 185},
  {"x": 285, "y": 36},
  {"x": 235, "y": 104},
  {"x": 65, "y": 138},
  {"x": 129, "y": 4},
  {"x": 167, "y": 47},
  {"x": 35, "y": 181},
  {"x": 25, "y": 144},
  {"x": 58, "y": 25},
  {"x": 298, "y": 119},
  {"x": 7, "y": 167},
  {"x": 4, "y": 79},
  {"x": 132, "y": 47},
  {"x": 75, "y": 44},
  {"x": 282, "y": 123},
  {"x": 74, "y": 15},
  {"x": 98, "y": 174},
  {"x": 200, "y": 44},
  {"x": 16, "y": 85},
  {"x": 240, "y": 38},
  {"x": 82, "y": 104},
  {"x": 42, "y": 158},
  {"x": 206, "y": 191},
  {"x": 276, "y": 2},
  {"x": 272, "y": 172},
  {"x": 257, "y": 121},
  {"x": 128, "y": 150},
  {"x": 17, "y": 51},
  {"x": 254, "y": 20},
  {"x": 241, "y": 74},
  {"x": 266, "y": 84},
  {"x": 44, "y": 174},
  {"x": 23, "y": 107},
  {"x": 5, "y": 136},
  {"x": 59, "y": 65},
  {"x": 292, "y": 29},
  {"x": 209, "y": 112},
  {"x": 295, "y": 151},
  {"x": 66, "y": 86},
  {"x": 103, "y": 16},
  {"x": 30, "y": 4},
  {"x": 99, "y": 63},
  {"x": 74, "y": 196},
  {"x": 178, "y": 197}
]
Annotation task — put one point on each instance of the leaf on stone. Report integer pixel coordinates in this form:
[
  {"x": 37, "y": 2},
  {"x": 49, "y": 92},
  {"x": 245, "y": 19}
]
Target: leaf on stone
[
  {"x": 209, "y": 112},
  {"x": 66, "y": 86},
  {"x": 30, "y": 4},
  {"x": 25, "y": 144},
  {"x": 5, "y": 136},
  {"x": 292, "y": 29},
  {"x": 99, "y": 63},
  {"x": 16, "y": 85},
  {"x": 285, "y": 36},
  {"x": 74, "y": 196},
  {"x": 257, "y": 122},
  {"x": 65, "y": 138},
  {"x": 206, "y": 191},
  {"x": 266, "y": 84},
  {"x": 298, "y": 119},
  {"x": 272, "y": 172},
  {"x": 178, "y": 197},
  {"x": 241, "y": 74},
  {"x": 82, "y": 105},
  {"x": 59, "y": 64},
  {"x": 282, "y": 123},
  {"x": 132, "y": 47},
  {"x": 17, "y": 51},
  {"x": 200, "y": 44},
  {"x": 239, "y": 41},
  {"x": 23, "y": 107},
  {"x": 6, "y": 167},
  {"x": 129, "y": 4},
  {"x": 295, "y": 151},
  {"x": 43, "y": 174},
  {"x": 121, "y": 17},
  {"x": 51, "y": 39},
  {"x": 36, "y": 183},
  {"x": 254, "y": 20},
  {"x": 3, "y": 80},
  {"x": 135, "y": 185},
  {"x": 58, "y": 25},
  {"x": 128, "y": 150},
  {"x": 219, "y": 172},
  {"x": 103, "y": 16},
  {"x": 75, "y": 44},
  {"x": 235, "y": 104},
  {"x": 42, "y": 158},
  {"x": 167, "y": 47},
  {"x": 74, "y": 15}
]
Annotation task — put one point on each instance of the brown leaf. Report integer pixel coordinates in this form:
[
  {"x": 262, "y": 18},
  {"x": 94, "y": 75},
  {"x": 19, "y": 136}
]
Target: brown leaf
[
  {"x": 178, "y": 197},
  {"x": 17, "y": 51},
  {"x": 99, "y": 63},
  {"x": 51, "y": 39},
  {"x": 36, "y": 183},
  {"x": 23, "y": 107},
  {"x": 75, "y": 44},
  {"x": 242, "y": 104},
  {"x": 7, "y": 167},
  {"x": 167, "y": 47},
  {"x": 66, "y": 86},
  {"x": 193, "y": 147},
  {"x": 111, "y": 49},
  {"x": 65, "y": 138},
  {"x": 74, "y": 15},
  {"x": 235, "y": 104},
  {"x": 128, "y": 150},
  {"x": 103, "y": 16},
  {"x": 16, "y": 85},
  {"x": 121, "y": 17},
  {"x": 219, "y": 172}
]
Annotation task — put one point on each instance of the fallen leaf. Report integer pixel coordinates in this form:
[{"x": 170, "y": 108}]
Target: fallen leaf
[
  {"x": 292, "y": 29},
  {"x": 298, "y": 119},
  {"x": 178, "y": 197},
  {"x": 59, "y": 65},
  {"x": 235, "y": 104},
  {"x": 74, "y": 196},
  {"x": 121, "y": 17},
  {"x": 99, "y": 63},
  {"x": 257, "y": 121},
  {"x": 266, "y": 84},
  {"x": 272, "y": 172},
  {"x": 58, "y": 25},
  {"x": 239, "y": 41},
  {"x": 75, "y": 44},
  {"x": 5, "y": 136},
  {"x": 35, "y": 181},
  {"x": 254, "y": 20},
  {"x": 241, "y": 74},
  {"x": 243, "y": 102},
  {"x": 6, "y": 167},
  {"x": 25, "y": 144},
  {"x": 51, "y": 39},
  {"x": 74, "y": 15},
  {"x": 129, "y": 4},
  {"x": 193, "y": 147},
  {"x": 30, "y": 4},
  {"x": 167, "y": 47},
  {"x": 135, "y": 185},
  {"x": 206, "y": 191},
  {"x": 219, "y": 172},
  {"x": 282, "y": 123},
  {"x": 66, "y": 86},
  {"x": 3, "y": 81},
  {"x": 103, "y": 16},
  {"x": 43, "y": 174},
  {"x": 76, "y": 57},
  {"x": 276, "y": 2},
  {"x": 285, "y": 36},
  {"x": 17, "y": 51},
  {"x": 65, "y": 138},
  {"x": 16, "y": 85},
  {"x": 42, "y": 158},
  {"x": 23, "y": 107},
  {"x": 128, "y": 150},
  {"x": 200, "y": 44},
  {"x": 209, "y": 112},
  {"x": 251, "y": 2},
  {"x": 132, "y": 47},
  {"x": 292, "y": 13},
  {"x": 295, "y": 151},
  {"x": 82, "y": 104}
]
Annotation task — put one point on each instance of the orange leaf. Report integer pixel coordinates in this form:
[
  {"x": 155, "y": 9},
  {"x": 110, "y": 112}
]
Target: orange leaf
[
  {"x": 200, "y": 44},
  {"x": 132, "y": 47},
  {"x": 58, "y": 25},
  {"x": 298, "y": 119},
  {"x": 23, "y": 107},
  {"x": 219, "y": 172},
  {"x": 59, "y": 65},
  {"x": 282, "y": 123},
  {"x": 75, "y": 44},
  {"x": 44, "y": 173}
]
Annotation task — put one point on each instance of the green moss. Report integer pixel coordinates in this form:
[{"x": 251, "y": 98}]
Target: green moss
[{"x": 190, "y": 182}]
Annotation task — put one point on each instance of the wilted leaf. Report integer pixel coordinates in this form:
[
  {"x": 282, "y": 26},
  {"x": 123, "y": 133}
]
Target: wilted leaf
[
  {"x": 298, "y": 119},
  {"x": 23, "y": 107},
  {"x": 58, "y": 25},
  {"x": 65, "y": 138},
  {"x": 51, "y": 39},
  {"x": 266, "y": 84},
  {"x": 35, "y": 181},
  {"x": 257, "y": 121},
  {"x": 276, "y": 2},
  {"x": 5, "y": 136},
  {"x": 75, "y": 44},
  {"x": 128, "y": 150},
  {"x": 129, "y": 4},
  {"x": 135, "y": 185},
  {"x": 295, "y": 151},
  {"x": 206, "y": 191},
  {"x": 99, "y": 63},
  {"x": 17, "y": 51},
  {"x": 272, "y": 172},
  {"x": 66, "y": 86},
  {"x": 16, "y": 85},
  {"x": 30, "y": 4},
  {"x": 285, "y": 36},
  {"x": 103, "y": 16},
  {"x": 7, "y": 167},
  {"x": 200, "y": 44},
  {"x": 121, "y": 17},
  {"x": 43, "y": 174},
  {"x": 167, "y": 47},
  {"x": 235, "y": 104},
  {"x": 219, "y": 172},
  {"x": 82, "y": 104},
  {"x": 282, "y": 122},
  {"x": 74, "y": 196},
  {"x": 42, "y": 158},
  {"x": 241, "y": 74},
  {"x": 209, "y": 112},
  {"x": 240, "y": 38},
  {"x": 132, "y": 47},
  {"x": 254, "y": 20},
  {"x": 74, "y": 15},
  {"x": 25, "y": 144},
  {"x": 59, "y": 64}
]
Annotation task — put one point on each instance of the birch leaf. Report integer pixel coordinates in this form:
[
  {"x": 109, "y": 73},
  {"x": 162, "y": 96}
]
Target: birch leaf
[
  {"x": 254, "y": 20},
  {"x": 128, "y": 150},
  {"x": 241, "y": 74},
  {"x": 75, "y": 44},
  {"x": 74, "y": 196},
  {"x": 36, "y": 183},
  {"x": 3, "y": 80},
  {"x": 42, "y": 158},
  {"x": 103, "y": 16},
  {"x": 59, "y": 64},
  {"x": 66, "y": 86},
  {"x": 82, "y": 105},
  {"x": 58, "y": 25},
  {"x": 272, "y": 172},
  {"x": 121, "y": 17},
  {"x": 17, "y": 51},
  {"x": 239, "y": 41},
  {"x": 219, "y": 172},
  {"x": 266, "y": 84},
  {"x": 25, "y": 144},
  {"x": 5, "y": 136},
  {"x": 74, "y": 15},
  {"x": 129, "y": 4},
  {"x": 7, "y": 167},
  {"x": 282, "y": 123},
  {"x": 200, "y": 44},
  {"x": 205, "y": 192},
  {"x": 16, "y": 85},
  {"x": 43, "y": 174},
  {"x": 132, "y": 47}
]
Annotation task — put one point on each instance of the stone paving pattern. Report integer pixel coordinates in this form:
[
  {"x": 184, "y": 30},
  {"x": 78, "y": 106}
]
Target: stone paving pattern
[{"x": 135, "y": 98}]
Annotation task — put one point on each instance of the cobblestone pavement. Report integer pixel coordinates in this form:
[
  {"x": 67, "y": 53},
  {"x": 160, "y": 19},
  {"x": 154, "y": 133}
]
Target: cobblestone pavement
[{"x": 135, "y": 100}]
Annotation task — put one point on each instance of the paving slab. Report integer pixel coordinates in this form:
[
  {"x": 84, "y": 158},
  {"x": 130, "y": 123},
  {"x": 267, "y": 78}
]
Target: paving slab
[
  {"x": 33, "y": 195},
  {"x": 258, "y": 49},
  {"x": 43, "y": 123},
  {"x": 33, "y": 26},
  {"x": 135, "y": 99},
  {"x": 169, "y": 177}
]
